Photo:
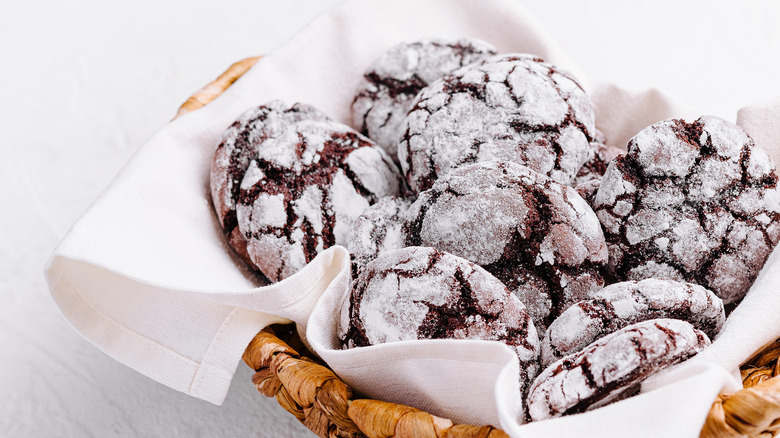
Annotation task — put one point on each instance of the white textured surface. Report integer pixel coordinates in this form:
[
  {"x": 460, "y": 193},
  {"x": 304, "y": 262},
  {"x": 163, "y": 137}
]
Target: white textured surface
[
  {"x": 379, "y": 109},
  {"x": 83, "y": 84},
  {"x": 504, "y": 109}
]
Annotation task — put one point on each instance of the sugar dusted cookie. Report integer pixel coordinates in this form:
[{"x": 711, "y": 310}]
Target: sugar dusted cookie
[
  {"x": 392, "y": 81},
  {"x": 423, "y": 293},
  {"x": 622, "y": 304},
  {"x": 537, "y": 236},
  {"x": 513, "y": 108},
  {"x": 237, "y": 147},
  {"x": 377, "y": 230},
  {"x": 589, "y": 176},
  {"x": 611, "y": 366},
  {"x": 695, "y": 202},
  {"x": 296, "y": 183}
]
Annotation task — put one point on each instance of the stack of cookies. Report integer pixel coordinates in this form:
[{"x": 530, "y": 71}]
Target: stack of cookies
[{"x": 478, "y": 200}]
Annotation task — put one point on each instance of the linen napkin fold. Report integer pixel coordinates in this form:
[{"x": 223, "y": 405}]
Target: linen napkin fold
[{"x": 145, "y": 274}]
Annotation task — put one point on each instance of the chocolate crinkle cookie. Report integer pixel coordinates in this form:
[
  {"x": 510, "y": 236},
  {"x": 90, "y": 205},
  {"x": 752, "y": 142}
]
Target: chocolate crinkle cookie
[
  {"x": 392, "y": 81},
  {"x": 589, "y": 176},
  {"x": 297, "y": 184},
  {"x": 239, "y": 144},
  {"x": 695, "y": 202},
  {"x": 377, "y": 230},
  {"x": 622, "y": 304},
  {"x": 612, "y": 366},
  {"x": 507, "y": 108},
  {"x": 537, "y": 236},
  {"x": 422, "y": 293}
]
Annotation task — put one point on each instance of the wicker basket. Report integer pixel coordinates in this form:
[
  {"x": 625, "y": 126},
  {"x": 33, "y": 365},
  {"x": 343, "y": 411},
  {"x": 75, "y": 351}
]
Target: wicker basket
[{"x": 322, "y": 402}]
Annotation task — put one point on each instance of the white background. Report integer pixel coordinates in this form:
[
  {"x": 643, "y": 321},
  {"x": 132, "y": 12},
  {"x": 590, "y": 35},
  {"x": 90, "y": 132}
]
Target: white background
[{"x": 84, "y": 83}]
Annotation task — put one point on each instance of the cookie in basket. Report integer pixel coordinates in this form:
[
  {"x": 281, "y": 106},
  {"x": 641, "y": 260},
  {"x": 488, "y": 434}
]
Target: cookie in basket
[
  {"x": 537, "y": 236},
  {"x": 391, "y": 82},
  {"x": 234, "y": 153},
  {"x": 508, "y": 108},
  {"x": 621, "y": 304},
  {"x": 589, "y": 176},
  {"x": 423, "y": 293},
  {"x": 292, "y": 182},
  {"x": 695, "y": 202},
  {"x": 612, "y": 366},
  {"x": 377, "y": 230}
]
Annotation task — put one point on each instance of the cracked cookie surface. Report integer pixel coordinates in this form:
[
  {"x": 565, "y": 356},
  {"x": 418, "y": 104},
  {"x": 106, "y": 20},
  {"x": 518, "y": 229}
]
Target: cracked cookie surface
[
  {"x": 589, "y": 176},
  {"x": 388, "y": 87},
  {"x": 305, "y": 181},
  {"x": 423, "y": 293},
  {"x": 508, "y": 108},
  {"x": 238, "y": 145},
  {"x": 377, "y": 230},
  {"x": 622, "y": 304},
  {"x": 537, "y": 236},
  {"x": 612, "y": 366},
  {"x": 695, "y": 202}
]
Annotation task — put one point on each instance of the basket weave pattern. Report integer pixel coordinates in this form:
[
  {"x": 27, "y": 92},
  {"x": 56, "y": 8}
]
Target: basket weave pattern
[{"x": 323, "y": 403}]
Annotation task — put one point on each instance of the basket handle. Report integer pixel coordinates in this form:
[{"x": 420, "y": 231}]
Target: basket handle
[{"x": 217, "y": 87}]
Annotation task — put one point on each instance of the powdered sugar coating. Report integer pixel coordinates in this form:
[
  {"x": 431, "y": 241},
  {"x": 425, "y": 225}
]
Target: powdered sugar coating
[
  {"x": 588, "y": 178},
  {"x": 599, "y": 156},
  {"x": 238, "y": 145},
  {"x": 305, "y": 185},
  {"x": 423, "y": 293},
  {"x": 537, "y": 236},
  {"x": 387, "y": 89},
  {"x": 622, "y": 304},
  {"x": 508, "y": 108},
  {"x": 611, "y": 366},
  {"x": 691, "y": 201},
  {"x": 376, "y": 231}
]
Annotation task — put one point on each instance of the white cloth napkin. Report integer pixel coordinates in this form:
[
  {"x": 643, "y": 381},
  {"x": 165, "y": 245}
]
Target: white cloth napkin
[{"x": 145, "y": 274}]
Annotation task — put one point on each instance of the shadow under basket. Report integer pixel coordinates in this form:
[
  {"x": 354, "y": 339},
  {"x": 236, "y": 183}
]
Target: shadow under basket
[{"x": 305, "y": 387}]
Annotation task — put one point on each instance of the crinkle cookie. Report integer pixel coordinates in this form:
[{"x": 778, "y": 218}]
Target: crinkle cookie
[
  {"x": 612, "y": 365},
  {"x": 588, "y": 178},
  {"x": 377, "y": 230},
  {"x": 423, "y": 293},
  {"x": 537, "y": 236},
  {"x": 392, "y": 81},
  {"x": 622, "y": 304},
  {"x": 305, "y": 183},
  {"x": 694, "y": 202},
  {"x": 239, "y": 144},
  {"x": 507, "y": 108}
]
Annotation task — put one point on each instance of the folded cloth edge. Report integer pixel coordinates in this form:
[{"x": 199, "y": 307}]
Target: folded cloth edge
[{"x": 208, "y": 379}]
